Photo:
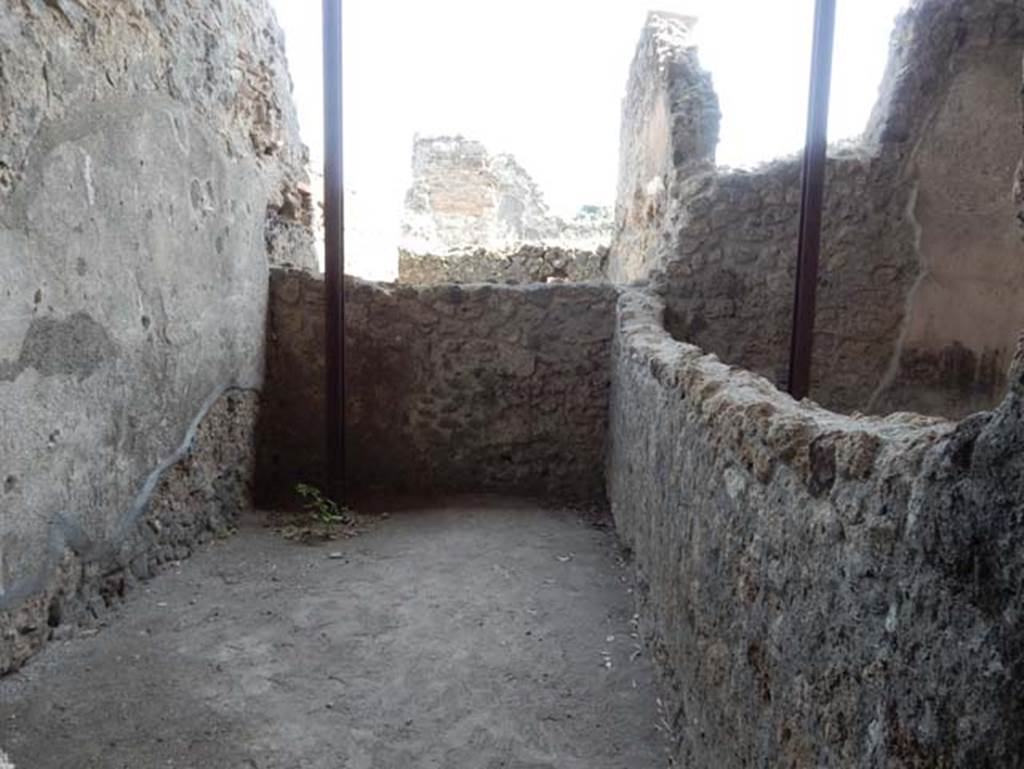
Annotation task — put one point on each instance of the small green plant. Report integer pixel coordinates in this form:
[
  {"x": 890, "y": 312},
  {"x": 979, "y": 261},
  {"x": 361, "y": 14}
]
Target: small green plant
[{"x": 323, "y": 510}]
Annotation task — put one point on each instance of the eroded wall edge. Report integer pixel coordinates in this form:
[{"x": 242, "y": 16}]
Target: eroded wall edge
[{"x": 820, "y": 589}]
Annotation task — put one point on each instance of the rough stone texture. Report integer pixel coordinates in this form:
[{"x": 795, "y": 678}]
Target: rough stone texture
[
  {"x": 195, "y": 498},
  {"x": 922, "y": 272},
  {"x": 453, "y": 388},
  {"x": 669, "y": 131},
  {"x": 526, "y": 264},
  {"x": 824, "y": 590},
  {"x": 731, "y": 288},
  {"x": 471, "y": 216},
  {"x": 148, "y": 160}
]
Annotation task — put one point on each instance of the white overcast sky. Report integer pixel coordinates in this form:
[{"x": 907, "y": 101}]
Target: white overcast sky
[{"x": 544, "y": 80}]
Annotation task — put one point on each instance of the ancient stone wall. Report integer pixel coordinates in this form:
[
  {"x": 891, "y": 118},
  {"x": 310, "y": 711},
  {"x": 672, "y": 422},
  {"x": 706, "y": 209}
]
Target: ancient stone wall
[
  {"x": 730, "y": 287},
  {"x": 471, "y": 216},
  {"x": 825, "y": 590},
  {"x": 967, "y": 305},
  {"x": 194, "y": 496},
  {"x": 149, "y": 165},
  {"x": 669, "y": 132},
  {"x": 822, "y": 590},
  {"x": 462, "y": 195},
  {"x": 922, "y": 272},
  {"x": 449, "y": 388},
  {"x": 526, "y": 264}
]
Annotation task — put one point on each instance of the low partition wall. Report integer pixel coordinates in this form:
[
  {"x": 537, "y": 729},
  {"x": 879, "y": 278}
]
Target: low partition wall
[
  {"x": 525, "y": 264},
  {"x": 448, "y": 388},
  {"x": 822, "y": 590}
]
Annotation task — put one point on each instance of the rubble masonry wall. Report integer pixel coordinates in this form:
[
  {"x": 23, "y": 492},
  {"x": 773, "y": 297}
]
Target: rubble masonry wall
[{"x": 448, "y": 388}]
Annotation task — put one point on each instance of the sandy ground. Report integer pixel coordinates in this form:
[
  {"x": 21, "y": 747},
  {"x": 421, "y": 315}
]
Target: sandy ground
[{"x": 478, "y": 633}]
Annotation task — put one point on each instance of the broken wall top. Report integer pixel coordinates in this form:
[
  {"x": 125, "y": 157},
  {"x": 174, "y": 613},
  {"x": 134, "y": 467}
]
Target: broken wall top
[
  {"x": 669, "y": 131},
  {"x": 225, "y": 61},
  {"x": 464, "y": 198},
  {"x": 918, "y": 226}
]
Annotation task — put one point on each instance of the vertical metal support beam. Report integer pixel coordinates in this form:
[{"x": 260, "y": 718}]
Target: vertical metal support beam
[
  {"x": 334, "y": 250},
  {"x": 812, "y": 200}
]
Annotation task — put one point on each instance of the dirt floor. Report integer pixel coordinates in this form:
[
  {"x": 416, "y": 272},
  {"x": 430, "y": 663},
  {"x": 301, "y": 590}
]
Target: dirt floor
[{"x": 482, "y": 633}]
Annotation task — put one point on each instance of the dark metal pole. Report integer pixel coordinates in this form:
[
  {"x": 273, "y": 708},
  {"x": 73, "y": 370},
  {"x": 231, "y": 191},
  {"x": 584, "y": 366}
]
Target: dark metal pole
[
  {"x": 813, "y": 193},
  {"x": 334, "y": 250}
]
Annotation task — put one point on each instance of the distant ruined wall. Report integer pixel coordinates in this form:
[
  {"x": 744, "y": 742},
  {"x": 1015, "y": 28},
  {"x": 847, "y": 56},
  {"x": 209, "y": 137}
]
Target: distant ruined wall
[
  {"x": 471, "y": 216},
  {"x": 448, "y": 388},
  {"x": 149, "y": 164},
  {"x": 922, "y": 273},
  {"x": 462, "y": 195},
  {"x": 821, "y": 590}
]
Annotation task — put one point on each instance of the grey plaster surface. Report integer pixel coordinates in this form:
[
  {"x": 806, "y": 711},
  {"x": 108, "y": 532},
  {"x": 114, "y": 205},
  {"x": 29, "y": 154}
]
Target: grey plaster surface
[
  {"x": 103, "y": 367},
  {"x": 150, "y": 170},
  {"x": 475, "y": 633}
]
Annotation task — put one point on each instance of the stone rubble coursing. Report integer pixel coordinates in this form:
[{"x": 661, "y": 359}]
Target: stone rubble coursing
[
  {"x": 822, "y": 589},
  {"x": 449, "y": 388},
  {"x": 921, "y": 285}
]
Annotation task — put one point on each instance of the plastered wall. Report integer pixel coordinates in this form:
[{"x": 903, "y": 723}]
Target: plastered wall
[{"x": 149, "y": 165}]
